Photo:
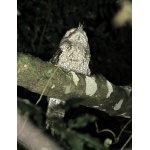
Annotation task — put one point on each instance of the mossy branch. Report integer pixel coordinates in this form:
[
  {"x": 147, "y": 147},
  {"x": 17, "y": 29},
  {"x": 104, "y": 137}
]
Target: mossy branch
[{"x": 97, "y": 91}]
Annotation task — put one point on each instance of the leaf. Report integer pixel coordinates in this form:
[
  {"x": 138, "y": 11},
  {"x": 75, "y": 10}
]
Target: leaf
[
  {"x": 30, "y": 111},
  {"x": 81, "y": 121},
  {"x": 107, "y": 142}
]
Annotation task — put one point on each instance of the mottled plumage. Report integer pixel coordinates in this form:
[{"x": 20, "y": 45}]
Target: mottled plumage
[{"x": 73, "y": 55}]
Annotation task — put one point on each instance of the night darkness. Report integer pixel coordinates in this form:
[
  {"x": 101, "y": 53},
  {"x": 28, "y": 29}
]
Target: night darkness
[{"x": 41, "y": 25}]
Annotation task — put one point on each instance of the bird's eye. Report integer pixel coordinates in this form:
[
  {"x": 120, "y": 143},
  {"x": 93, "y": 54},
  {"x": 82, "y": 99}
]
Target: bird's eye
[{"x": 65, "y": 46}]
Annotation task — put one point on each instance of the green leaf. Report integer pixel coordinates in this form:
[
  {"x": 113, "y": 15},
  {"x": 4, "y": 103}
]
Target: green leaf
[
  {"x": 107, "y": 142},
  {"x": 81, "y": 121}
]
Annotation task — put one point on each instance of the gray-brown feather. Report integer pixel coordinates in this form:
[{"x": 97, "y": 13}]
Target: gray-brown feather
[
  {"x": 73, "y": 55},
  {"x": 74, "y": 52}
]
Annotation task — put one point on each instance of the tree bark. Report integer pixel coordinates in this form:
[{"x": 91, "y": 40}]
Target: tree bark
[{"x": 39, "y": 76}]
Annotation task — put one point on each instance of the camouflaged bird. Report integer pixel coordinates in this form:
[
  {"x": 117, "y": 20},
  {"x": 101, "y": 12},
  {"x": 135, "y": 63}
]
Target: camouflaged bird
[{"x": 73, "y": 55}]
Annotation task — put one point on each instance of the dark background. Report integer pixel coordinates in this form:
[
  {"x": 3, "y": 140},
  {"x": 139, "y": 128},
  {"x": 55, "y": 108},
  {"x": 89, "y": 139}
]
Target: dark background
[{"x": 43, "y": 23}]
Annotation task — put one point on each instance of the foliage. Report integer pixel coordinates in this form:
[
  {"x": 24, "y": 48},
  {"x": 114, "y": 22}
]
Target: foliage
[
  {"x": 30, "y": 112},
  {"x": 66, "y": 131},
  {"x": 77, "y": 132},
  {"x": 77, "y": 140}
]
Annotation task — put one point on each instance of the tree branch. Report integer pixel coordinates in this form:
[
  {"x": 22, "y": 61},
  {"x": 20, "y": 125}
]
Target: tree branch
[{"x": 34, "y": 74}]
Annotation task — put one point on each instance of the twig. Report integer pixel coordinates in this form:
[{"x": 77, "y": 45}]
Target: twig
[
  {"x": 46, "y": 86},
  {"x": 126, "y": 142}
]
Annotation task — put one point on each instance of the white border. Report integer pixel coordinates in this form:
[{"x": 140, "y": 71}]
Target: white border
[
  {"x": 141, "y": 74},
  {"x": 8, "y": 74}
]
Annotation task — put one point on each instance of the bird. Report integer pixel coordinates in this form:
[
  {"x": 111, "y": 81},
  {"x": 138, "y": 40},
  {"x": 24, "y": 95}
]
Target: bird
[{"x": 74, "y": 55}]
